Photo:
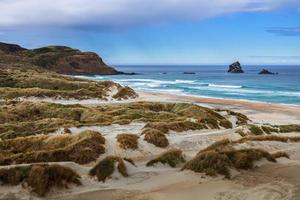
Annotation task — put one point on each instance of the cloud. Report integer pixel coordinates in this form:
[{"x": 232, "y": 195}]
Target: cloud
[
  {"x": 122, "y": 13},
  {"x": 285, "y": 31}
]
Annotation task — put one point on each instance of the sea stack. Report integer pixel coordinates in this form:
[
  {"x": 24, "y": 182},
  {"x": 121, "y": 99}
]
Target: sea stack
[
  {"x": 235, "y": 68},
  {"x": 265, "y": 71}
]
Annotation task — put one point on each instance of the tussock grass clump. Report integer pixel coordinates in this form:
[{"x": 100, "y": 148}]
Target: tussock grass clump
[
  {"x": 269, "y": 129},
  {"x": 280, "y": 154},
  {"x": 289, "y": 128},
  {"x": 155, "y": 137},
  {"x": 128, "y": 141},
  {"x": 255, "y": 130},
  {"x": 220, "y": 145},
  {"x": 178, "y": 126},
  {"x": 268, "y": 138},
  {"x": 220, "y": 162},
  {"x": 125, "y": 93},
  {"x": 106, "y": 167},
  {"x": 241, "y": 118},
  {"x": 171, "y": 157},
  {"x": 82, "y": 148},
  {"x": 40, "y": 178}
]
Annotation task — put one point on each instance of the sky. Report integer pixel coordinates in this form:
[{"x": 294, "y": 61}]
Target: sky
[{"x": 160, "y": 31}]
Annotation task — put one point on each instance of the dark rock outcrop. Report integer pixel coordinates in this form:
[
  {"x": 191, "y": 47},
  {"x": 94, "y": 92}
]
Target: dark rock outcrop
[
  {"x": 265, "y": 71},
  {"x": 235, "y": 68},
  {"x": 60, "y": 59}
]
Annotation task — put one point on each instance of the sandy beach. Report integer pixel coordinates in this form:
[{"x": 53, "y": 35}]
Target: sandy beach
[{"x": 267, "y": 181}]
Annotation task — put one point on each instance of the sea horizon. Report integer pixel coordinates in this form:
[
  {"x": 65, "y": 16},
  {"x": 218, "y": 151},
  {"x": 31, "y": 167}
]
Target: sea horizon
[{"x": 214, "y": 81}]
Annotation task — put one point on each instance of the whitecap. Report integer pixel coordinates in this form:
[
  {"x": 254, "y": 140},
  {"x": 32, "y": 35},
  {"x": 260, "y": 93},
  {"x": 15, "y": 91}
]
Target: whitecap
[{"x": 225, "y": 86}]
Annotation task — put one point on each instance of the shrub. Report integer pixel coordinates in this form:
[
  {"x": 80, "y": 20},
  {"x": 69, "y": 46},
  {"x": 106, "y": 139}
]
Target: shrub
[
  {"x": 171, "y": 157},
  {"x": 155, "y": 137},
  {"x": 128, "y": 141}
]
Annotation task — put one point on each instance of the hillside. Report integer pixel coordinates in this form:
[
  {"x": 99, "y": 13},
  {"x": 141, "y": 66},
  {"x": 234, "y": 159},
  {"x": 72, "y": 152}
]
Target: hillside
[{"x": 60, "y": 59}]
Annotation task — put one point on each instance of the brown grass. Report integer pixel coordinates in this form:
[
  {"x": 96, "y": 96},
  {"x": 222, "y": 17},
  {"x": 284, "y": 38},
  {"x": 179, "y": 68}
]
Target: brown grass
[
  {"x": 155, "y": 137},
  {"x": 40, "y": 178},
  {"x": 289, "y": 128},
  {"x": 106, "y": 167},
  {"x": 280, "y": 154},
  {"x": 268, "y": 138},
  {"x": 255, "y": 130},
  {"x": 220, "y": 162},
  {"x": 33, "y": 82},
  {"x": 82, "y": 148},
  {"x": 128, "y": 141},
  {"x": 171, "y": 157},
  {"x": 27, "y": 118},
  {"x": 178, "y": 126}
]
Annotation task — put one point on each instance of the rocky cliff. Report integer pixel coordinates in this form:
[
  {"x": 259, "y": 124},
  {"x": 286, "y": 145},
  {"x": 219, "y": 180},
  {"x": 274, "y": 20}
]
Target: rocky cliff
[{"x": 60, "y": 59}]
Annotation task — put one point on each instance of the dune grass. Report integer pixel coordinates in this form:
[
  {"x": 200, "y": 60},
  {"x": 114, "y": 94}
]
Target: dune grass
[
  {"x": 255, "y": 130},
  {"x": 40, "y": 179},
  {"x": 221, "y": 156},
  {"x": 106, "y": 167},
  {"x": 33, "y": 82},
  {"x": 241, "y": 118},
  {"x": 156, "y": 137},
  {"x": 82, "y": 148},
  {"x": 171, "y": 157},
  {"x": 269, "y": 138},
  {"x": 214, "y": 162},
  {"x": 289, "y": 128},
  {"x": 19, "y": 119},
  {"x": 128, "y": 141}
]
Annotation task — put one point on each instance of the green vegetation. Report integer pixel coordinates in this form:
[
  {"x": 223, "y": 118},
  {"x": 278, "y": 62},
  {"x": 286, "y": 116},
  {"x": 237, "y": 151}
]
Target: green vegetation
[
  {"x": 81, "y": 148},
  {"x": 171, "y": 157},
  {"x": 128, "y": 141},
  {"x": 289, "y": 128},
  {"x": 219, "y": 162},
  {"x": 40, "y": 178},
  {"x": 268, "y": 138},
  {"x": 19, "y": 119},
  {"x": 255, "y": 130},
  {"x": 241, "y": 118},
  {"x": 106, "y": 167},
  {"x": 31, "y": 82},
  {"x": 156, "y": 137}
]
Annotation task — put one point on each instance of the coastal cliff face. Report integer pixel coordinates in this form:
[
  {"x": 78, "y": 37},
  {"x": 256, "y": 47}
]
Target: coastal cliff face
[{"x": 60, "y": 59}]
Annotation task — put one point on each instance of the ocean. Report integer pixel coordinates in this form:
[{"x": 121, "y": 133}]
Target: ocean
[{"x": 214, "y": 81}]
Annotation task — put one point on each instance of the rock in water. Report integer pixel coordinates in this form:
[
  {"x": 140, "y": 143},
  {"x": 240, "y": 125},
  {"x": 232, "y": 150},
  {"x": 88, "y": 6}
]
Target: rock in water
[
  {"x": 265, "y": 71},
  {"x": 235, "y": 68}
]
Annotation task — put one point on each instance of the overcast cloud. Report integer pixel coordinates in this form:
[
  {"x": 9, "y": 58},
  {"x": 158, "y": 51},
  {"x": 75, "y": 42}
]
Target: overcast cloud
[{"x": 122, "y": 13}]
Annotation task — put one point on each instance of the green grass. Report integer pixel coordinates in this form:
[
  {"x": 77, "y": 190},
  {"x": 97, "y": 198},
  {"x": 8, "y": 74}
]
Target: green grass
[
  {"x": 39, "y": 179},
  {"x": 171, "y": 157},
  {"x": 19, "y": 118},
  {"x": 106, "y": 167},
  {"x": 81, "y": 148}
]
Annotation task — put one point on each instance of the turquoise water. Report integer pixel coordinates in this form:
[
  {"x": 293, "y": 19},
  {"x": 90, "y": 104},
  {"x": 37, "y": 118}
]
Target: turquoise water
[{"x": 214, "y": 81}]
